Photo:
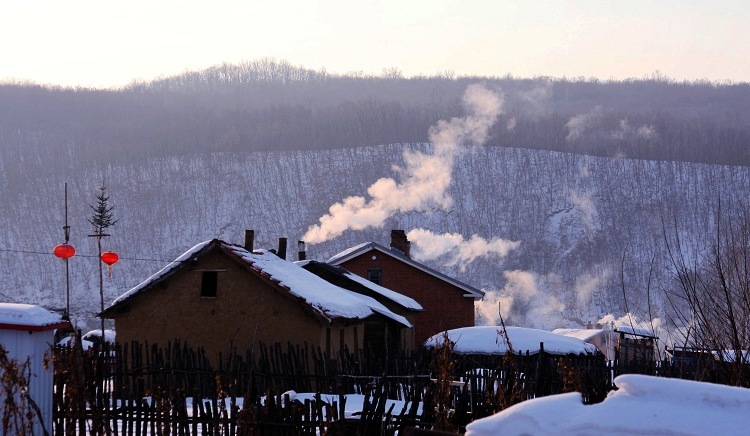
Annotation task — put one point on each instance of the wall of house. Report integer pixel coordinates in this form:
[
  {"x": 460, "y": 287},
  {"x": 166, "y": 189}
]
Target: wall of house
[
  {"x": 444, "y": 305},
  {"x": 33, "y": 347},
  {"x": 245, "y": 310}
]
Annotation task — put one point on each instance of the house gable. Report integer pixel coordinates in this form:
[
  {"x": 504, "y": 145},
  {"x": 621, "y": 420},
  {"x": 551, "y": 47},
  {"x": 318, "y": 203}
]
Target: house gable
[
  {"x": 375, "y": 249},
  {"x": 446, "y": 305},
  {"x": 246, "y": 310}
]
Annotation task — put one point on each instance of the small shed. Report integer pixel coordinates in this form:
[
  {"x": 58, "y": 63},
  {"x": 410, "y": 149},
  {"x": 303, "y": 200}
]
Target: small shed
[
  {"x": 636, "y": 346},
  {"x": 27, "y": 332}
]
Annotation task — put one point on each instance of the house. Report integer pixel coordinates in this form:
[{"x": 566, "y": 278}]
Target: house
[
  {"x": 494, "y": 340},
  {"x": 26, "y": 332},
  {"x": 382, "y": 336},
  {"x": 604, "y": 339},
  {"x": 447, "y": 302},
  {"x": 219, "y": 295},
  {"x": 635, "y": 346}
]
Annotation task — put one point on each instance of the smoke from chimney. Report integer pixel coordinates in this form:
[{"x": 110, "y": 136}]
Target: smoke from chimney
[
  {"x": 455, "y": 250},
  {"x": 423, "y": 183}
]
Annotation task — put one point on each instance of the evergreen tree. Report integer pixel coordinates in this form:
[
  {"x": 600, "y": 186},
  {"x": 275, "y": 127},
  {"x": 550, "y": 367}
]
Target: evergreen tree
[{"x": 102, "y": 219}]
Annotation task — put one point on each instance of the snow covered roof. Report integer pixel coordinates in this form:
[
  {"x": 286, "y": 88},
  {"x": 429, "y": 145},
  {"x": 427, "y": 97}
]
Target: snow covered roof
[
  {"x": 641, "y": 405},
  {"x": 163, "y": 273},
  {"x": 325, "y": 299},
  {"x": 357, "y": 250},
  {"x": 325, "y": 270},
  {"x": 582, "y": 334},
  {"x": 628, "y": 330},
  {"x": 328, "y": 300},
  {"x": 29, "y": 317},
  {"x": 487, "y": 340}
]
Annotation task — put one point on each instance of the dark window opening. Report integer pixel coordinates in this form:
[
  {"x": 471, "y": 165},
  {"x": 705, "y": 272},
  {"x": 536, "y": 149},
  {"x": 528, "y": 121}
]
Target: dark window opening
[
  {"x": 374, "y": 275},
  {"x": 209, "y": 283}
]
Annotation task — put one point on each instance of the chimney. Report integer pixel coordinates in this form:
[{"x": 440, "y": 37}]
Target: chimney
[
  {"x": 399, "y": 242},
  {"x": 589, "y": 325},
  {"x": 282, "y": 248},
  {"x": 249, "y": 240},
  {"x": 301, "y": 255}
]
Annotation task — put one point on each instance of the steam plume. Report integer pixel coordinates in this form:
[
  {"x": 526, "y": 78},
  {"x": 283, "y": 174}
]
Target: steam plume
[
  {"x": 525, "y": 300},
  {"x": 430, "y": 246},
  {"x": 423, "y": 182}
]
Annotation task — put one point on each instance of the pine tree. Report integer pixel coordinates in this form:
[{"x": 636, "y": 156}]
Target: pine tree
[{"x": 102, "y": 219}]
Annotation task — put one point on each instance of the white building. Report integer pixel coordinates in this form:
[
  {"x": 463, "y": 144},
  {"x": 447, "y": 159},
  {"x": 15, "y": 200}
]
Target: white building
[
  {"x": 604, "y": 339},
  {"x": 27, "y": 333}
]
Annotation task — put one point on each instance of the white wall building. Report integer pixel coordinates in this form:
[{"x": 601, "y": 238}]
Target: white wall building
[{"x": 27, "y": 333}]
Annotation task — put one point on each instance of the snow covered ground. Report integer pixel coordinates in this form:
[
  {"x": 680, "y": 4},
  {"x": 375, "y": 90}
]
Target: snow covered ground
[{"x": 641, "y": 405}]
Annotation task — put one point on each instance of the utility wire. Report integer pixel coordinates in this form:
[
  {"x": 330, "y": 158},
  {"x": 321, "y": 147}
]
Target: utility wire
[{"x": 7, "y": 250}]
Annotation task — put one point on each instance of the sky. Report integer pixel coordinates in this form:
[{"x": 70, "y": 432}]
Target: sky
[{"x": 111, "y": 43}]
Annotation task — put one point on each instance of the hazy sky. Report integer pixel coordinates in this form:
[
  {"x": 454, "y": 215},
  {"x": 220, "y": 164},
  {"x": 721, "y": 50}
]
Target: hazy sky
[{"x": 109, "y": 43}]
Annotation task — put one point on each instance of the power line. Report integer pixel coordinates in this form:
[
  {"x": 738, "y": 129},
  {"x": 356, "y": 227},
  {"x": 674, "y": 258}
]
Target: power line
[{"x": 94, "y": 256}]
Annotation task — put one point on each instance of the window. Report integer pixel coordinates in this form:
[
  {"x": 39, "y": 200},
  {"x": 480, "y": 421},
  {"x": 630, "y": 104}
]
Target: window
[
  {"x": 374, "y": 275},
  {"x": 209, "y": 283}
]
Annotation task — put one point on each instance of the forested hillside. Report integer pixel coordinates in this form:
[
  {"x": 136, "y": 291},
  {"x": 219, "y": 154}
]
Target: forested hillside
[
  {"x": 270, "y": 105},
  {"x": 586, "y": 175}
]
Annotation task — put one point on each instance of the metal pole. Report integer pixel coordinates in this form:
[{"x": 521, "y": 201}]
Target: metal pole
[{"x": 66, "y": 229}]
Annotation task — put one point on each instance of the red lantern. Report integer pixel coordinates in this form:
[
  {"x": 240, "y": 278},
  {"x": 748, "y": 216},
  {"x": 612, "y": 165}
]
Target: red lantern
[
  {"x": 110, "y": 257},
  {"x": 64, "y": 251}
]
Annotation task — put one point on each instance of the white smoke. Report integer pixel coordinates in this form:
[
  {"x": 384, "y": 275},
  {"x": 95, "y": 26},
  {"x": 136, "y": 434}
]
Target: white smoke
[
  {"x": 586, "y": 284},
  {"x": 536, "y": 101},
  {"x": 579, "y": 124},
  {"x": 628, "y": 132},
  {"x": 427, "y": 246},
  {"x": 423, "y": 182},
  {"x": 522, "y": 302},
  {"x": 586, "y": 206}
]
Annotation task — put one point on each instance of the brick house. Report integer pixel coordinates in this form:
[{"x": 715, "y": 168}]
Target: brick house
[
  {"x": 381, "y": 336},
  {"x": 219, "y": 295},
  {"x": 447, "y": 302}
]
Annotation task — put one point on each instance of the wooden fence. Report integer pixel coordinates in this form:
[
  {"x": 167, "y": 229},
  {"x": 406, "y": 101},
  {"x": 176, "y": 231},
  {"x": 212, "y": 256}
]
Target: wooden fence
[{"x": 140, "y": 389}]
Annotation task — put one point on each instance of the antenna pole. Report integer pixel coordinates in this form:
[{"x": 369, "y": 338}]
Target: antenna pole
[{"x": 66, "y": 229}]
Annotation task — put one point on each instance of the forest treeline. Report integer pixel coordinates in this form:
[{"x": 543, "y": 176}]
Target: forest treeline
[{"x": 270, "y": 105}]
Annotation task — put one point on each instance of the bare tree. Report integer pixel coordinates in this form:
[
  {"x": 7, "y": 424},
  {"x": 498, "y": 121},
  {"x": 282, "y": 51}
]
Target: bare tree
[{"x": 712, "y": 298}]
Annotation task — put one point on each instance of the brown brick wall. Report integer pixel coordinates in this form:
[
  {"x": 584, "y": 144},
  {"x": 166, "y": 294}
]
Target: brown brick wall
[
  {"x": 245, "y": 310},
  {"x": 444, "y": 304}
]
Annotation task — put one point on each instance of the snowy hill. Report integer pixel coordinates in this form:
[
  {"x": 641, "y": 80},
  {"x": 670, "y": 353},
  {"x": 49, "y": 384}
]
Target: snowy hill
[{"x": 576, "y": 217}]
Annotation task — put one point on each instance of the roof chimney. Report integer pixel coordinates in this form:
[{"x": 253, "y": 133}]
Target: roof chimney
[
  {"x": 282, "y": 248},
  {"x": 400, "y": 242},
  {"x": 249, "y": 240},
  {"x": 302, "y": 255}
]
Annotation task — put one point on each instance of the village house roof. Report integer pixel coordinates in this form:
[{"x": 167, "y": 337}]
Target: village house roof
[
  {"x": 635, "y": 331},
  {"x": 356, "y": 283},
  {"x": 29, "y": 317},
  {"x": 360, "y": 249},
  {"x": 326, "y": 300},
  {"x": 582, "y": 334},
  {"x": 493, "y": 340}
]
